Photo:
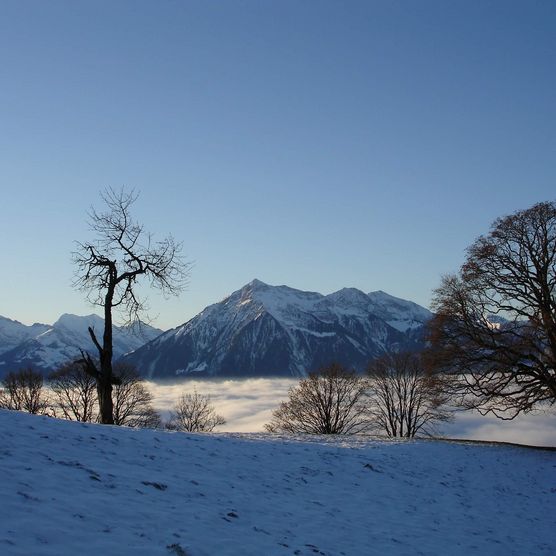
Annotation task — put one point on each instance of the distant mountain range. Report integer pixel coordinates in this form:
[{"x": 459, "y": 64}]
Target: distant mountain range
[
  {"x": 259, "y": 330},
  {"x": 46, "y": 347},
  {"x": 263, "y": 330}
]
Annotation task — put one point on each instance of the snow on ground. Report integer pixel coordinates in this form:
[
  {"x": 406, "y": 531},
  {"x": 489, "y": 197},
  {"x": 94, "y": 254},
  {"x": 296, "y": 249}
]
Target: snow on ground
[{"x": 69, "y": 488}]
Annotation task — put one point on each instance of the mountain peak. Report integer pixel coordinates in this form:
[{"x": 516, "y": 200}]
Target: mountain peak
[
  {"x": 379, "y": 293},
  {"x": 46, "y": 347},
  {"x": 348, "y": 293},
  {"x": 76, "y": 322},
  {"x": 256, "y": 283},
  {"x": 265, "y": 330}
]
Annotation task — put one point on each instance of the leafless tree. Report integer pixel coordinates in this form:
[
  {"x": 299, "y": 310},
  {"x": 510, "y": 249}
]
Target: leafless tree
[
  {"x": 405, "y": 400},
  {"x": 330, "y": 401},
  {"x": 496, "y": 319},
  {"x": 108, "y": 270},
  {"x": 23, "y": 391},
  {"x": 133, "y": 403},
  {"x": 74, "y": 393},
  {"x": 195, "y": 413}
]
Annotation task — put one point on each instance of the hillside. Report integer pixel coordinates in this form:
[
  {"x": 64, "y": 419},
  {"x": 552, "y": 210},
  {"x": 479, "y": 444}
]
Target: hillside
[
  {"x": 70, "y": 488},
  {"x": 264, "y": 330}
]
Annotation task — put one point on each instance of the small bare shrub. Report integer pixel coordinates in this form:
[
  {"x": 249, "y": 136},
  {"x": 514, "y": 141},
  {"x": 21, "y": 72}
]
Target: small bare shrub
[
  {"x": 132, "y": 402},
  {"x": 74, "y": 393},
  {"x": 23, "y": 391},
  {"x": 195, "y": 413}
]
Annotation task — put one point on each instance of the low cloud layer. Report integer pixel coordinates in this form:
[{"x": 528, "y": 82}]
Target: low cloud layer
[
  {"x": 248, "y": 404},
  {"x": 245, "y": 404},
  {"x": 534, "y": 429}
]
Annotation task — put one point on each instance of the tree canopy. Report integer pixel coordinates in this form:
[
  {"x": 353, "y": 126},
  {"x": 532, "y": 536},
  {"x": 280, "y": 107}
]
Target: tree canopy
[
  {"x": 495, "y": 323},
  {"x": 406, "y": 400},
  {"x": 329, "y": 401}
]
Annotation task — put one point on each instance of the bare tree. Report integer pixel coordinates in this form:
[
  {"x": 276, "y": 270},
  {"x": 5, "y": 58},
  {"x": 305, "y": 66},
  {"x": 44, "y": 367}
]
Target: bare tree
[
  {"x": 133, "y": 405},
  {"x": 404, "y": 399},
  {"x": 74, "y": 393},
  {"x": 23, "y": 391},
  {"x": 330, "y": 401},
  {"x": 496, "y": 319},
  {"x": 108, "y": 270},
  {"x": 195, "y": 413}
]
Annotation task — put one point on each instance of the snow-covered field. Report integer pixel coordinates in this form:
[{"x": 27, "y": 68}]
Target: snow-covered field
[
  {"x": 81, "y": 489},
  {"x": 248, "y": 404}
]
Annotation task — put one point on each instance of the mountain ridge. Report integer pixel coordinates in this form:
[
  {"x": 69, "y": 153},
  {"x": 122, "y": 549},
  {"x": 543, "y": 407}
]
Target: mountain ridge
[
  {"x": 264, "y": 330},
  {"x": 257, "y": 330},
  {"x": 46, "y": 347}
]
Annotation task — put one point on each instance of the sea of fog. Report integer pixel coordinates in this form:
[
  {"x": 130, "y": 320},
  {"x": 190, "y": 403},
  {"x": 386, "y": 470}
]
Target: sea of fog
[{"x": 248, "y": 404}]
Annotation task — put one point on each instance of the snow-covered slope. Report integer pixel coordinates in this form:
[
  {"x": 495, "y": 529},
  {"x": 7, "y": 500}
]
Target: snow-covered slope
[
  {"x": 263, "y": 330},
  {"x": 91, "y": 489},
  {"x": 403, "y": 315},
  {"x": 13, "y": 332},
  {"x": 53, "y": 345}
]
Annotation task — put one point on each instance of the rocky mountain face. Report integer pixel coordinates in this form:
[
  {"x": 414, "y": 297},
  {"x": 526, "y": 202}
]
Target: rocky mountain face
[
  {"x": 46, "y": 347},
  {"x": 263, "y": 330}
]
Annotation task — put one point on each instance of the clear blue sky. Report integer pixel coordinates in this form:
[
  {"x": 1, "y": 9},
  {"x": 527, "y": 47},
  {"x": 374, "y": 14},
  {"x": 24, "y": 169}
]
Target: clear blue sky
[{"x": 310, "y": 143}]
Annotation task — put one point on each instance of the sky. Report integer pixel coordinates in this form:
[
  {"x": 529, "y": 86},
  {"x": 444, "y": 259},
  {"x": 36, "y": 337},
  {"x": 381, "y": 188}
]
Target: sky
[{"x": 316, "y": 144}]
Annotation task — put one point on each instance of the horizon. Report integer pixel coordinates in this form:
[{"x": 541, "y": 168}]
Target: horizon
[
  {"x": 60, "y": 315},
  {"x": 319, "y": 145}
]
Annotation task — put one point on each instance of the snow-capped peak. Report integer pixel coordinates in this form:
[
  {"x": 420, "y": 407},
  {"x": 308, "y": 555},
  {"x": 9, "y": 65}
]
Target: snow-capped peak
[
  {"x": 78, "y": 323},
  {"x": 349, "y": 297},
  {"x": 256, "y": 283},
  {"x": 48, "y": 346}
]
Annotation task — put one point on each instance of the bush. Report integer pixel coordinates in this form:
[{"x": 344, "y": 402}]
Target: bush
[
  {"x": 74, "y": 393},
  {"x": 195, "y": 413},
  {"x": 23, "y": 391},
  {"x": 132, "y": 401}
]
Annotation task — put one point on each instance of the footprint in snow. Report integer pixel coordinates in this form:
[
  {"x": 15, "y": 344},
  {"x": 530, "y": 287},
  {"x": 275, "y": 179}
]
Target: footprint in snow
[
  {"x": 229, "y": 515},
  {"x": 158, "y": 486}
]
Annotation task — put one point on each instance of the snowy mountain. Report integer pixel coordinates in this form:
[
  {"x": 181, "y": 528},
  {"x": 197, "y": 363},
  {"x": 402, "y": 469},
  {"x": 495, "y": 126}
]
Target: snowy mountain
[
  {"x": 46, "y": 347},
  {"x": 263, "y": 330},
  {"x": 76, "y": 488},
  {"x": 401, "y": 314},
  {"x": 13, "y": 332}
]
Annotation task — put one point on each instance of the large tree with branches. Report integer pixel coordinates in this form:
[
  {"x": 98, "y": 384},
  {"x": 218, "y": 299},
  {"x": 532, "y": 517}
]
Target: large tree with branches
[
  {"x": 108, "y": 270},
  {"x": 405, "y": 399},
  {"x": 329, "y": 401},
  {"x": 495, "y": 323}
]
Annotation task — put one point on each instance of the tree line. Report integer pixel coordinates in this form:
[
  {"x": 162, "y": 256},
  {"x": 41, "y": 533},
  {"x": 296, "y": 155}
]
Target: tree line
[
  {"x": 70, "y": 393},
  {"x": 396, "y": 397}
]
